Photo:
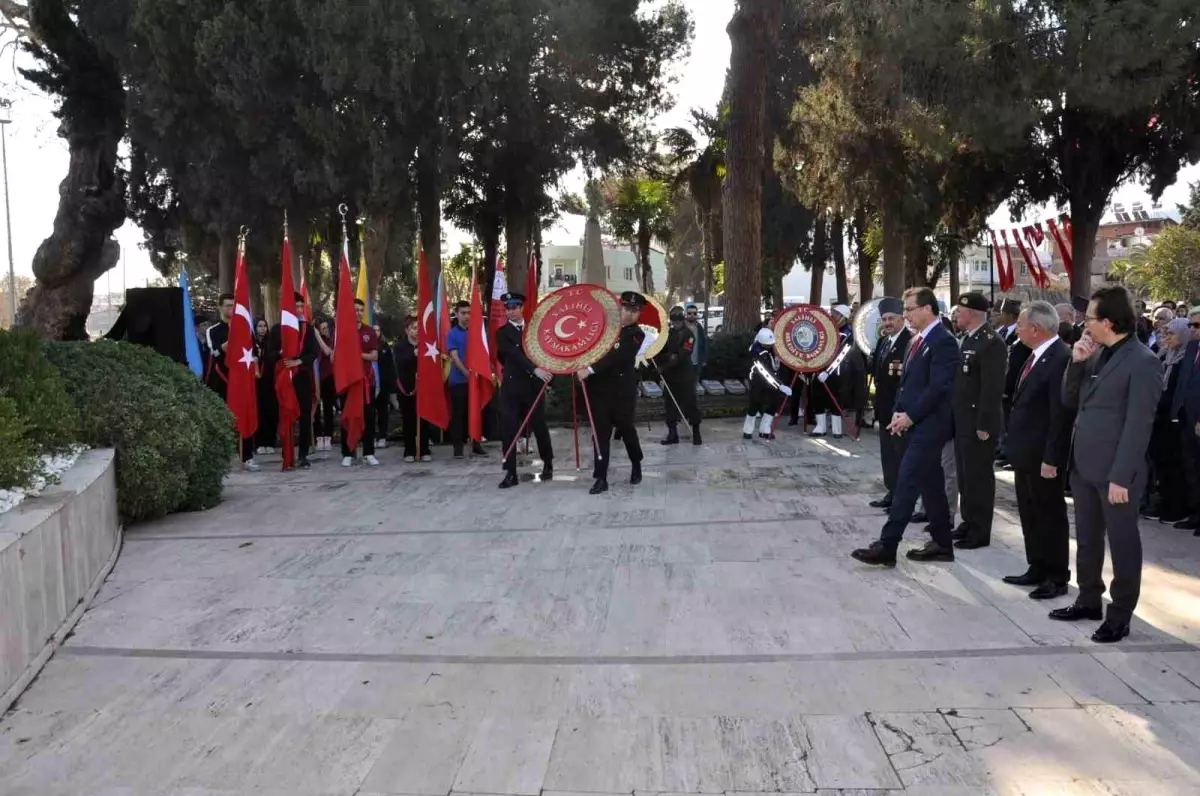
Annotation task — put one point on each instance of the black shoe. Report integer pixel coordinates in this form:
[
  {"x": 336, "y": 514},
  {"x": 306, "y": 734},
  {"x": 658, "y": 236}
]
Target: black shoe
[
  {"x": 547, "y": 473},
  {"x": 972, "y": 544},
  {"x": 1150, "y": 514},
  {"x": 635, "y": 477},
  {"x": 884, "y": 502},
  {"x": 670, "y": 439},
  {"x": 793, "y": 422},
  {"x": 696, "y": 435},
  {"x": 1110, "y": 632},
  {"x": 1048, "y": 591},
  {"x": 303, "y": 464},
  {"x": 918, "y": 517},
  {"x": 747, "y": 436},
  {"x": 458, "y": 454},
  {"x": 1028, "y": 579},
  {"x": 509, "y": 481},
  {"x": 932, "y": 551},
  {"x": 1189, "y": 524},
  {"x": 875, "y": 555},
  {"x": 958, "y": 534},
  {"x": 477, "y": 450},
  {"x": 1076, "y": 612},
  {"x": 837, "y": 436},
  {"x": 600, "y": 486}
]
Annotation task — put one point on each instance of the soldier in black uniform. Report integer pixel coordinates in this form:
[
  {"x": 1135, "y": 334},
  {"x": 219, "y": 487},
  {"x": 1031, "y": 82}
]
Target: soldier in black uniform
[
  {"x": 978, "y": 391},
  {"x": 766, "y": 389},
  {"x": 1018, "y": 352},
  {"x": 887, "y": 366},
  {"x": 612, "y": 385},
  {"x": 518, "y": 390},
  {"x": 675, "y": 365}
]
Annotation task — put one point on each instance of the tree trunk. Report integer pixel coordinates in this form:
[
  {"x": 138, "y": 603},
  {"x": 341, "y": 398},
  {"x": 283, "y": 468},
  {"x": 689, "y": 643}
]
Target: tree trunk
[
  {"x": 269, "y": 306},
  {"x": 91, "y": 202},
  {"x": 1085, "y": 222},
  {"x": 837, "y": 239},
  {"x": 866, "y": 276},
  {"x": 820, "y": 256},
  {"x": 594, "y": 271},
  {"x": 753, "y": 32},
  {"x": 894, "y": 280},
  {"x": 489, "y": 236},
  {"x": 916, "y": 258},
  {"x": 516, "y": 241},
  {"x": 375, "y": 246},
  {"x": 777, "y": 275},
  {"x": 226, "y": 260},
  {"x": 643, "y": 252},
  {"x": 954, "y": 279},
  {"x": 429, "y": 207},
  {"x": 536, "y": 258}
]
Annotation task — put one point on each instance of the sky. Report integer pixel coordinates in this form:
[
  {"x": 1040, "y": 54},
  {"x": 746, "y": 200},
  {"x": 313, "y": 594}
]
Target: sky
[{"x": 37, "y": 157}]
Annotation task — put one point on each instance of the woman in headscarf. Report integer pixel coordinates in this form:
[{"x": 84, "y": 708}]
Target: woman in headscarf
[{"x": 1166, "y": 441}]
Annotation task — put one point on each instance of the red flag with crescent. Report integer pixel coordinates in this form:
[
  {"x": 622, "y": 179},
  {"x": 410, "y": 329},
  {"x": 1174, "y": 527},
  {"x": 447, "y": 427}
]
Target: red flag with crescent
[
  {"x": 348, "y": 376},
  {"x": 431, "y": 390},
  {"x": 289, "y": 348},
  {"x": 480, "y": 385},
  {"x": 241, "y": 396}
]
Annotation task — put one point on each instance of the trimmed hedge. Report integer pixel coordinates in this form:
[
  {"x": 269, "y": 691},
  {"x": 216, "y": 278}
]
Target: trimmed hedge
[
  {"x": 729, "y": 356},
  {"x": 37, "y": 417},
  {"x": 173, "y": 436}
]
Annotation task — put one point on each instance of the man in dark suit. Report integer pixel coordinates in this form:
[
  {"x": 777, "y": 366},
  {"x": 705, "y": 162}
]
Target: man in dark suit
[
  {"x": 1114, "y": 383},
  {"x": 1018, "y": 352},
  {"x": 518, "y": 390},
  {"x": 887, "y": 363},
  {"x": 978, "y": 389},
  {"x": 1039, "y": 442},
  {"x": 1185, "y": 409},
  {"x": 612, "y": 384},
  {"x": 924, "y": 415}
]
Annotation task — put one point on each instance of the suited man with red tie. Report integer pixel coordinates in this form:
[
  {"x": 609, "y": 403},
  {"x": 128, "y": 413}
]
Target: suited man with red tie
[
  {"x": 924, "y": 415},
  {"x": 1039, "y": 444}
]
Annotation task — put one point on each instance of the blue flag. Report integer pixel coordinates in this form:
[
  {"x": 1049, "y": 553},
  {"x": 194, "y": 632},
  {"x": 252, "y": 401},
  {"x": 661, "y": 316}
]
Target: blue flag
[{"x": 191, "y": 345}]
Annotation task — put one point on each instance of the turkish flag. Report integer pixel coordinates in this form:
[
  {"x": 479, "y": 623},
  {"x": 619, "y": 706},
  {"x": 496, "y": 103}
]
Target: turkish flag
[
  {"x": 480, "y": 385},
  {"x": 431, "y": 390},
  {"x": 241, "y": 395},
  {"x": 289, "y": 348},
  {"x": 348, "y": 376}
]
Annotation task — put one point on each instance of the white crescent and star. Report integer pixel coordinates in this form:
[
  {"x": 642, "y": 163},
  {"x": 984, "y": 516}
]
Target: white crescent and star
[
  {"x": 558, "y": 327},
  {"x": 247, "y": 357}
]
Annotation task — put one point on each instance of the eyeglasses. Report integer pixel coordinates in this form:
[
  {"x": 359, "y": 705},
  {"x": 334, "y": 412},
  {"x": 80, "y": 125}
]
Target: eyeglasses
[
  {"x": 913, "y": 308},
  {"x": 1091, "y": 318}
]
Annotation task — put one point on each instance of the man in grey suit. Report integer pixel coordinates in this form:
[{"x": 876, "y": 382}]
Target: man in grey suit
[{"x": 1114, "y": 383}]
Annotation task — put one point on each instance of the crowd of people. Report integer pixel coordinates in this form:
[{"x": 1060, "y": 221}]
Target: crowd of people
[{"x": 1094, "y": 400}]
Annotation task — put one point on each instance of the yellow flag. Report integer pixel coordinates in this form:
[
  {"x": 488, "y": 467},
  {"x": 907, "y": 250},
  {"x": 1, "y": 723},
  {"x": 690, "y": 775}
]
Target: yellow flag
[{"x": 362, "y": 293}]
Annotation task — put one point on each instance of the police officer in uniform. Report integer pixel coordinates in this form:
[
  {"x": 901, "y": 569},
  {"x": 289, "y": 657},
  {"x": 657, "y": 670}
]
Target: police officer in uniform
[
  {"x": 978, "y": 419},
  {"x": 612, "y": 385},
  {"x": 519, "y": 388},
  {"x": 887, "y": 365},
  {"x": 675, "y": 365}
]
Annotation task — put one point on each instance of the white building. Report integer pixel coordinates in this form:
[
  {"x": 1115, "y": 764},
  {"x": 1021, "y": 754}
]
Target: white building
[{"x": 563, "y": 265}]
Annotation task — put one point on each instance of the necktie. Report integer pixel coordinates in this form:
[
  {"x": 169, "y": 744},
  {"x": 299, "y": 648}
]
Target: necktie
[
  {"x": 1025, "y": 371},
  {"x": 916, "y": 346}
]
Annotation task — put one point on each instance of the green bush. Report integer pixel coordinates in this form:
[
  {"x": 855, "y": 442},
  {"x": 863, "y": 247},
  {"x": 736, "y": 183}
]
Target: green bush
[
  {"x": 729, "y": 356},
  {"x": 173, "y": 436},
  {"x": 38, "y": 417}
]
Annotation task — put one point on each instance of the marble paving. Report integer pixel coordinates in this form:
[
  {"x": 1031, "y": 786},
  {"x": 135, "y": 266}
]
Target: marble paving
[{"x": 413, "y": 630}]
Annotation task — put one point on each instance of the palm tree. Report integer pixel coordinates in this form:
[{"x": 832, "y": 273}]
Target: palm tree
[
  {"x": 640, "y": 210},
  {"x": 699, "y": 170}
]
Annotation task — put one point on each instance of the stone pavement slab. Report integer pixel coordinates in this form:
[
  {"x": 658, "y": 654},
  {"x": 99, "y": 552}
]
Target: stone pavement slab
[{"x": 413, "y": 630}]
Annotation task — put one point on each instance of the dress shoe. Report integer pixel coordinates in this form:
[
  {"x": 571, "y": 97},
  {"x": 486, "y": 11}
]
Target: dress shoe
[
  {"x": 958, "y": 534},
  {"x": 884, "y": 502},
  {"x": 303, "y": 464},
  {"x": 600, "y": 486},
  {"x": 547, "y": 473},
  {"x": 793, "y": 422},
  {"x": 672, "y": 438},
  {"x": 696, "y": 435},
  {"x": 1076, "y": 612},
  {"x": 1028, "y": 579},
  {"x": 1110, "y": 632},
  {"x": 932, "y": 551},
  {"x": 1190, "y": 524},
  {"x": 918, "y": 517},
  {"x": 1048, "y": 591},
  {"x": 477, "y": 450},
  {"x": 972, "y": 544},
  {"x": 635, "y": 477},
  {"x": 876, "y": 555},
  {"x": 747, "y": 436},
  {"x": 509, "y": 481}
]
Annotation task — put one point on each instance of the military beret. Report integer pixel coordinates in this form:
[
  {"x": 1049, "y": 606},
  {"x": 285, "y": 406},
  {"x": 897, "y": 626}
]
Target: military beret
[
  {"x": 891, "y": 306},
  {"x": 974, "y": 301}
]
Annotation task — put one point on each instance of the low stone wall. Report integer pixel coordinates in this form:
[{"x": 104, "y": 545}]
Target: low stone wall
[{"x": 55, "y": 551}]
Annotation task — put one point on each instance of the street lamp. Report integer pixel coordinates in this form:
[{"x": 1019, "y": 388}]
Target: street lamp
[{"x": 5, "y": 118}]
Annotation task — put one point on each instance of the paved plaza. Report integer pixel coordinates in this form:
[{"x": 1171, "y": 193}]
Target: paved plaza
[{"x": 413, "y": 630}]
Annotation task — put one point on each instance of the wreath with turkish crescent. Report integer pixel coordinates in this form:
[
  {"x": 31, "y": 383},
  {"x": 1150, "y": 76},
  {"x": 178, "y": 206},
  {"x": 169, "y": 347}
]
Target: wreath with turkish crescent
[
  {"x": 572, "y": 328},
  {"x": 806, "y": 338}
]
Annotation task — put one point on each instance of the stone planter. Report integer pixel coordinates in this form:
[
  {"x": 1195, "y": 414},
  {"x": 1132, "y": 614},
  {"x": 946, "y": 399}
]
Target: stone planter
[{"x": 55, "y": 551}]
